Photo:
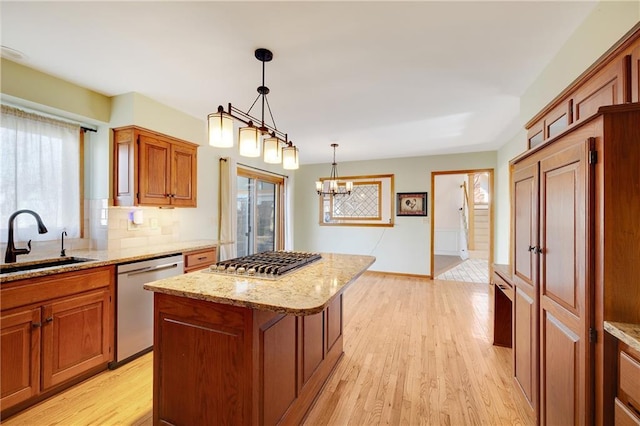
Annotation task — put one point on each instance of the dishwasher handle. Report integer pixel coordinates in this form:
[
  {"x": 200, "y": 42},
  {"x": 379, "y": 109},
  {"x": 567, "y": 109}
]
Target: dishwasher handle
[{"x": 151, "y": 269}]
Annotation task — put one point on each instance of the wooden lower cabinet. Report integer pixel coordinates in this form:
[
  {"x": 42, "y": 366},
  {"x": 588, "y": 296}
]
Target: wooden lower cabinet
[
  {"x": 75, "y": 336},
  {"x": 627, "y": 401},
  {"x": 53, "y": 332},
  {"x": 222, "y": 364},
  {"x": 20, "y": 351}
]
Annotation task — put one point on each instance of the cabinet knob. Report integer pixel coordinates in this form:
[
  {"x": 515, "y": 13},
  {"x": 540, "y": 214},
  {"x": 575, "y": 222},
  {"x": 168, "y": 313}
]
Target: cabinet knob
[
  {"x": 36, "y": 325},
  {"x": 531, "y": 248},
  {"x": 538, "y": 250},
  {"x": 48, "y": 320}
]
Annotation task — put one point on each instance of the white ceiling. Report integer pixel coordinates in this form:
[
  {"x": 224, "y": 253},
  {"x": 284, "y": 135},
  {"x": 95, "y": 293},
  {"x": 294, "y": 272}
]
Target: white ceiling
[{"x": 382, "y": 79}]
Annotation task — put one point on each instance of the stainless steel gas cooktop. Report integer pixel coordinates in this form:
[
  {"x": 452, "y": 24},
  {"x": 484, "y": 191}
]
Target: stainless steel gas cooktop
[{"x": 269, "y": 264}]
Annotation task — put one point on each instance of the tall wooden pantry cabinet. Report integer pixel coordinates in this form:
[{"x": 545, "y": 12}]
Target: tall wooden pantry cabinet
[{"x": 576, "y": 233}]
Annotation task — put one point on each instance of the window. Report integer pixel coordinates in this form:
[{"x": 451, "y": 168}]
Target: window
[
  {"x": 369, "y": 204},
  {"x": 260, "y": 212},
  {"x": 39, "y": 170}
]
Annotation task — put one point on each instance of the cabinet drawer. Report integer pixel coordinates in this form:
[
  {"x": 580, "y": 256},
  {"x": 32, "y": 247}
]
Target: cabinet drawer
[
  {"x": 624, "y": 416},
  {"x": 629, "y": 377},
  {"x": 200, "y": 259},
  {"x": 503, "y": 286}
]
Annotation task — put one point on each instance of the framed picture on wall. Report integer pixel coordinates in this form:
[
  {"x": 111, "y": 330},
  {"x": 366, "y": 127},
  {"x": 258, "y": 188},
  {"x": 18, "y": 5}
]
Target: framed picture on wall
[{"x": 411, "y": 204}]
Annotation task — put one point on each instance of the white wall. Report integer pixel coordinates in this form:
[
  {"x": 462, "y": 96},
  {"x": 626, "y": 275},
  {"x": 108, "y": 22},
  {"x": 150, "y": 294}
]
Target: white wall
[
  {"x": 502, "y": 221},
  {"x": 404, "y": 248},
  {"x": 609, "y": 21},
  {"x": 448, "y": 201}
]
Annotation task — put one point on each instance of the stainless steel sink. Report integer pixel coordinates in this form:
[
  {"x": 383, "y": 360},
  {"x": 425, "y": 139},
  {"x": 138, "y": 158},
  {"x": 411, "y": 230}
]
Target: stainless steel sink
[{"x": 46, "y": 263}]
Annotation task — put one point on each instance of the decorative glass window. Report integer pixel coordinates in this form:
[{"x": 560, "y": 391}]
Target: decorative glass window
[{"x": 369, "y": 204}]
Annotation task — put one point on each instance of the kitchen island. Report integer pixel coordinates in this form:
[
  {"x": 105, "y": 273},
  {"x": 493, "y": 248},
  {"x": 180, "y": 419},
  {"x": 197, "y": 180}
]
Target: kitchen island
[{"x": 245, "y": 350}]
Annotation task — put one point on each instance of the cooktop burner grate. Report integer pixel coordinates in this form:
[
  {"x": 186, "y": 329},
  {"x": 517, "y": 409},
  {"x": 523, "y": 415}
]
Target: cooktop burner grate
[{"x": 269, "y": 264}]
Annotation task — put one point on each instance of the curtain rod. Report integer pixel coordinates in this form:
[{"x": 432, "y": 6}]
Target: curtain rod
[
  {"x": 257, "y": 168},
  {"x": 83, "y": 126}
]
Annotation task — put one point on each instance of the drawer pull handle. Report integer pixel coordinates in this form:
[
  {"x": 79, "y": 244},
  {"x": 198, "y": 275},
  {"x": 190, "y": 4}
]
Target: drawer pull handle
[{"x": 202, "y": 258}]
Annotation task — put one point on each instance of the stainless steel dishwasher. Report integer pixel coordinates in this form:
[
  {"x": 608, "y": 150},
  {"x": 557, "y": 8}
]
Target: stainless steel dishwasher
[{"x": 134, "y": 331}]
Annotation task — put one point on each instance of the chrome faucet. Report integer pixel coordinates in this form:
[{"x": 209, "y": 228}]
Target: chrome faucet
[{"x": 12, "y": 251}]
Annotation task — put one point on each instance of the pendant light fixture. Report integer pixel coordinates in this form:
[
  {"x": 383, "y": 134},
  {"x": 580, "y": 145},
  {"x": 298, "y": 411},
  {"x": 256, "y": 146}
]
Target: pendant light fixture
[
  {"x": 256, "y": 135},
  {"x": 335, "y": 187}
]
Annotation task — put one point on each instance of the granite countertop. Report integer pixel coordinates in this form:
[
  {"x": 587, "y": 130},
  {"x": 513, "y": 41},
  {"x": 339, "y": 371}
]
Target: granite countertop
[
  {"x": 628, "y": 333},
  {"x": 303, "y": 292},
  {"x": 104, "y": 258}
]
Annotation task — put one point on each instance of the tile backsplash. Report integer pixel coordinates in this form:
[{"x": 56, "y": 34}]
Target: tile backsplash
[{"x": 156, "y": 226}]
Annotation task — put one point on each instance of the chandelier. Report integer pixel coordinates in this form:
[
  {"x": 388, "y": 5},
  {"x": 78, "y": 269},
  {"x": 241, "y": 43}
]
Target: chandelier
[
  {"x": 334, "y": 183},
  {"x": 256, "y": 135}
]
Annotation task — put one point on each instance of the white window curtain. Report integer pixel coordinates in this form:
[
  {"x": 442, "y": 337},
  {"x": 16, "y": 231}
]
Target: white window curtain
[
  {"x": 227, "y": 214},
  {"x": 39, "y": 171}
]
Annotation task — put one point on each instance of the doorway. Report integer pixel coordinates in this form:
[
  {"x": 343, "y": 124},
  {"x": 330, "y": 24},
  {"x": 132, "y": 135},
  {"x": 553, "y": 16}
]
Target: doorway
[
  {"x": 462, "y": 225},
  {"x": 259, "y": 212}
]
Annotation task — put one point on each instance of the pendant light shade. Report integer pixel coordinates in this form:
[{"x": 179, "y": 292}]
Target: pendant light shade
[
  {"x": 249, "y": 141},
  {"x": 272, "y": 153},
  {"x": 290, "y": 157},
  {"x": 256, "y": 134},
  {"x": 220, "y": 129}
]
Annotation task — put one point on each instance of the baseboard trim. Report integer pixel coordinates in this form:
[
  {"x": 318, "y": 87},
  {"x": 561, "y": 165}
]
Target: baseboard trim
[{"x": 399, "y": 274}]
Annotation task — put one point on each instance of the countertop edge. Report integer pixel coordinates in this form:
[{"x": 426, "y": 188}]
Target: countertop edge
[
  {"x": 116, "y": 260},
  {"x": 291, "y": 310},
  {"x": 625, "y": 332}
]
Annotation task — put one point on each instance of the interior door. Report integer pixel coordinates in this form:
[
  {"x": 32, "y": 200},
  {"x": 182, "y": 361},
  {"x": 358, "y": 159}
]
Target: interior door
[{"x": 564, "y": 303}]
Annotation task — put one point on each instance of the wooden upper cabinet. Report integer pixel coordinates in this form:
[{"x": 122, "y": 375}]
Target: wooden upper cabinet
[
  {"x": 153, "y": 169},
  {"x": 604, "y": 88},
  {"x": 614, "y": 79},
  {"x": 635, "y": 73}
]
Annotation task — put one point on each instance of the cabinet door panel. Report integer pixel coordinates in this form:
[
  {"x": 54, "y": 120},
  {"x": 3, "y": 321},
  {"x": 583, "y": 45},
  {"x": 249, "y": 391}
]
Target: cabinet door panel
[
  {"x": 525, "y": 196},
  {"x": 565, "y": 310},
  {"x": 635, "y": 74},
  {"x": 75, "y": 336},
  {"x": 559, "y": 358},
  {"x": 605, "y": 88},
  {"x": 334, "y": 321},
  {"x": 313, "y": 344},
  {"x": 154, "y": 171},
  {"x": 184, "y": 172},
  {"x": 524, "y": 346},
  {"x": 279, "y": 368},
  {"x": 560, "y": 199},
  {"x": 20, "y": 356}
]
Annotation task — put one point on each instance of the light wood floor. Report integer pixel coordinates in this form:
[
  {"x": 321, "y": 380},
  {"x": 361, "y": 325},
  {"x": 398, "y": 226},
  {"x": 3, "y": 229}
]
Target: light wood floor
[{"x": 416, "y": 352}]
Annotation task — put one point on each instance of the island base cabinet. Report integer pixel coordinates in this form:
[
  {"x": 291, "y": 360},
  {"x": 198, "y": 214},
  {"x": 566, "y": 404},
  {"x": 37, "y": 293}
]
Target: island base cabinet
[{"x": 222, "y": 364}]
